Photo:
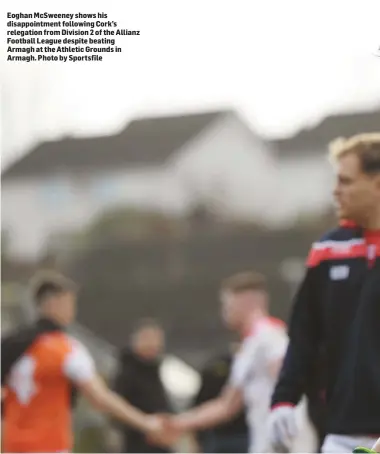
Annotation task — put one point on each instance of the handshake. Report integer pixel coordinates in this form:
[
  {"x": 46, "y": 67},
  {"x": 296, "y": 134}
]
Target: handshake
[{"x": 164, "y": 429}]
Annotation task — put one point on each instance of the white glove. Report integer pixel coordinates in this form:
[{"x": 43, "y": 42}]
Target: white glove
[{"x": 282, "y": 428}]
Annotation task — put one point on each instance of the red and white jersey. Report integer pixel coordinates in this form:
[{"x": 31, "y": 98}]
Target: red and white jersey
[
  {"x": 37, "y": 406},
  {"x": 252, "y": 372}
]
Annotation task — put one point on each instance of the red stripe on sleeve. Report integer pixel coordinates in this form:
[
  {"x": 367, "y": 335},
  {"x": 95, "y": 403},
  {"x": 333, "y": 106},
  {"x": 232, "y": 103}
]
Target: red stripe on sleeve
[{"x": 316, "y": 256}]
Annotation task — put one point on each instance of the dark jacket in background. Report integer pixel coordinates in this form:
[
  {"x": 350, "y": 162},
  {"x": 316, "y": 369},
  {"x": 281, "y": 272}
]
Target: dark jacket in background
[
  {"x": 233, "y": 435},
  {"x": 139, "y": 382}
]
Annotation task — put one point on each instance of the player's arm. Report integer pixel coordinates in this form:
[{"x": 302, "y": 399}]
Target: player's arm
[
  {"x": 304, "y": 337},
  {"x": 274, "y": 367},
  {"x": 229, "y": 402},
  {"x": 376, "y": 447},
  {"x": 213, "y": 412},
  {"x": 80, "y": 369},
  {"x": 105, "y": 400},
  {"x": 274, "y": 348}
]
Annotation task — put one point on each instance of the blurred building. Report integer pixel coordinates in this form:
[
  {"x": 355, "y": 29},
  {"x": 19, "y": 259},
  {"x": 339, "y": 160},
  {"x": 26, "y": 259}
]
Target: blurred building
[
  {"x": 305, "y": 179},
  {"x": 170, "y": 164}
]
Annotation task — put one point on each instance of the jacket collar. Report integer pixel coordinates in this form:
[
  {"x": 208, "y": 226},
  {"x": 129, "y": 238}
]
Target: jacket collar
[
  {"x": 47, "y": 325},
  {"x": 127, "y": 355}
]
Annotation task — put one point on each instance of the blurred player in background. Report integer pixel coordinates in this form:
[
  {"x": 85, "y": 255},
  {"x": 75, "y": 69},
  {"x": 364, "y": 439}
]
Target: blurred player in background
[
  {"x": 40, "y": 364},
  {"x": 138, "y": 381},
  {"x": 255, "y": 367},
  {"x": 337, "y": 311}
]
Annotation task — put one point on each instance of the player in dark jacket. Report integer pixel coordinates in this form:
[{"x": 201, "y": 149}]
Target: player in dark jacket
[
  {"x": 337, "y": 309},
  {"x": 138, "y": 380}
]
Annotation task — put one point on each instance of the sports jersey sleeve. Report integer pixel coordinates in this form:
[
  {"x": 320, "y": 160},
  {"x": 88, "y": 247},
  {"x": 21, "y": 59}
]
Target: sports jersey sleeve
[
  {"x": 243, "y": 365},
  {"x": 304, "y": 336},
  {"x": 79, "y": 366},
  {"x": 276, "y": 345}
]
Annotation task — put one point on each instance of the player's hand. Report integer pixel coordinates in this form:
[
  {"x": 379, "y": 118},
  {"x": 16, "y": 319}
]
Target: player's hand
[
  {"x": 154, "y": 428},
  {"x": 174, "y": 426},
  {"x": 161, "y": 432},
  {"x": 177, "y": 424},
  {"x": 282, "y": 428}
]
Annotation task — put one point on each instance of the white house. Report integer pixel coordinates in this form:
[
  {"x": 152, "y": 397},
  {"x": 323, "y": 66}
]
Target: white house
[{"x": 168, "y": 163}]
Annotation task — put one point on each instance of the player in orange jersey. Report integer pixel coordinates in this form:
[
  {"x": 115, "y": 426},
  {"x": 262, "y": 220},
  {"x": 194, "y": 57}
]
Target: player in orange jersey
[{"x": 41, "y": 365}]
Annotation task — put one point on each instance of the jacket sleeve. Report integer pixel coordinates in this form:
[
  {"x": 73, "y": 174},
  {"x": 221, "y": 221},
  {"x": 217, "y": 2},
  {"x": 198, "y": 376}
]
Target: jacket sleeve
[{"x": 304, "y": 337}]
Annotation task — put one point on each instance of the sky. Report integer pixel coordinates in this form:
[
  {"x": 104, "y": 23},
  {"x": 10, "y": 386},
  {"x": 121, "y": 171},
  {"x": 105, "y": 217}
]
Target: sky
[{"x": 284, "y": 65}]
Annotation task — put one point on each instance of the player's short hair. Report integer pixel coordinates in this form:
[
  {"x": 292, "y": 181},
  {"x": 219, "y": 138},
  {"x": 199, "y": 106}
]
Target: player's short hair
[
  {"x": 245, "y": 281},
  {"x": 46, "y": 284},
  {"x": 365, "y": 146}
]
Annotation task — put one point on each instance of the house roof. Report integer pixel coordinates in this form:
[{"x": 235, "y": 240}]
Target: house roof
[
  {"x": 318, "y": 137},
  {"x": 148, "y": 140},
  {"x": 153, "y": 140}
]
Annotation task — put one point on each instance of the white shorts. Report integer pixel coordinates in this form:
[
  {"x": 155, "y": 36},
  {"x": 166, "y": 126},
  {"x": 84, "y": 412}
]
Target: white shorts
[{"x": 346, "y": 443}]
